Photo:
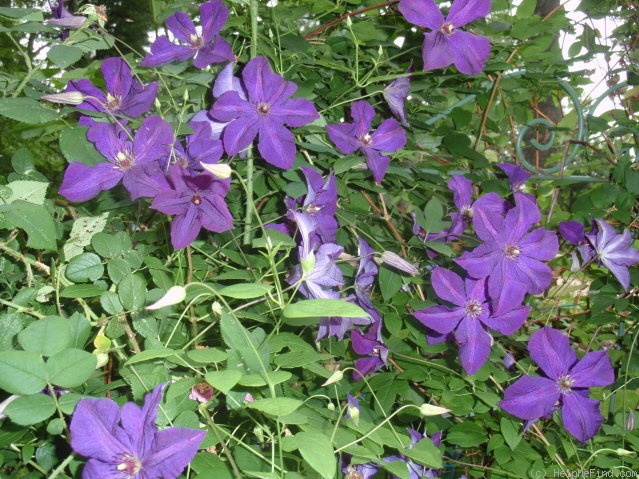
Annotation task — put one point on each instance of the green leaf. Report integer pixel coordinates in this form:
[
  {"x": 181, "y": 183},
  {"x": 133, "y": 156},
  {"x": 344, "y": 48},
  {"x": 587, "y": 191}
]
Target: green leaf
[
  {"x": 110, "y": 246},
  {"x": 26, "y": 110},
  {"x": 150, "y": 354},
  {"x": 210, "y": 465},
  {"x": 84, "y": 267},
  {"x": 22, "y": 372},
  {"x": 71, "y": 368},
  {"x": 36, "y": 220},
  {"x": 316, "y": 308},
  {"x": 510, "y": 431},
  {"x": 248, "y": 345},
  {"x": 390, "y": 282},
  {"x": 32, "y": 409},
  {"x": 64, "y": 55},
  {"x": 276, "y": 406},
  {"x": 223, "y": 380},
  {"x": 132, "y": 292},
  {"x": 245, "y": 291},
  {"x": 81, "y": 291},
  {"x": 46, "y": 337},
  {"x": 466, "y": 434},
  {"x": 207, "y": 356},
  {"x": 425, "y": 453},
  {"x": 10, "y": 326},
  {"x": 75, "y": 147},
  {"x": 110, "y": 302},
  {"x": 317, "y": 451},
  {"x": 81, "y": 233},
  {"x": 29, "y": 191}
]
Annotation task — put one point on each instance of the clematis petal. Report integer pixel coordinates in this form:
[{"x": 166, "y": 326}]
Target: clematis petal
[
  {"x": 153, "y": 140},
  {"x": 261, "y": 82},
  {"x": 104, "y": 470},
  {"x": 463, "y": 12},
  {"x": 424, "y": 13},
  {"x": 117, "y": 76},
  {"x": 482, "y": 261},
  {"x": 343, "y": 136},
  {"x": 449, "y": 286},
  {"x": 94, "y": 99},
  {"x": 594, "y": 369},
  {"x": 218, "y": 51},
  {"x": 396, "y": 94},
  {"x": 470, "y": 51},
  {"x": 140, "y": 100},
  {"x": 462, "y": 189},
  {"x": 230, "y": 106},
  {"x": 530, "y": 397},
  {"x": 440, "y": 319},
  {"x": 139, "y": 423},
  {"x": 215, "y": 215},
  {"x": 581, "y": 416},
  {"x": 276, "y": 145},
  {"x": 362, "y": 113},
  {"x": 474, "y": 344},
  {"x": 174, "y": 448},
  {"x": 551, "y": 350},
  {"x": 377, "y": 163},
  {"x": 181, "y": 25},
  {"x": 239, "y": 134},
  {"x": 437, "y": 51},
  {"x": 213, "y": 16},
  {"x": 185, "y": 228},
  {"x": 164, "y": 51},
  {"x": 389, "y": 136},
  {"x": 540, "y": 244},
  {"x": 82, "y": 182},
  {"x": 520, "y": 219},
  {"x": 295, "y": 112}
]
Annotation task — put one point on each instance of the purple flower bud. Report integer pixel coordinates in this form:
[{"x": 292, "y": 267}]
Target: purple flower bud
[
  {"x": 66, "y": 98},
  {"x": 74, "y": 22},
  {"x": 397, "y": 262}
]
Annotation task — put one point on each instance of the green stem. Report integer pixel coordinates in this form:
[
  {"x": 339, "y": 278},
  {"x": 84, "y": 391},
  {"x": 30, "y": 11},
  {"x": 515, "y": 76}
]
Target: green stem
[
  {"x": 209, "y": 419},
  {"x": 56, "y": 472}
]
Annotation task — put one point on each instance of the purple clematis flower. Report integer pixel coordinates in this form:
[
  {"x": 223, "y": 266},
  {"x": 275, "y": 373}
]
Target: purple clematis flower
[
  {"x": 472, "y": 312},
  {"x": 369, "y": 344},
  {"x": 613, "y": 250},
  {"x": 510, "y": 251},
  {"x": 126, "y": 443},
  {"x": 396, "y": 94},
  {"x": 127, "y": 160},
  {"x": 62, "y": 17},
  {"x": 516, "y": 174},
  {"x": 264, "y": 113},
  {"x": 204, "y": 44},
  {"x": 350, "y": 137},
  {"x": 195, "y": 203},
  {"x": 200, "y": 148},
  {"x": 564, "y": 385},
  {"x": 573, "y": 232},
  {"x": 446, "y": 44},
  {"x": 124, "y": 95}
]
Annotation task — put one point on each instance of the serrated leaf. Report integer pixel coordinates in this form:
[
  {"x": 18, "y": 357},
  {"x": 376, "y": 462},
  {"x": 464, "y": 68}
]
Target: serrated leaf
[
  {"x": 71, "y": 368},
  {"x": 84, "y": 267},
  {"x": 207, "y": 356},
  {"x": 149, "y": 354},
  {"x": 29, "y": 191},
  {"x": 64, "y": 55},
  {"x": 32, "y": 409},
  {"x": 245, "y": 290},
  {"x": 26, "y": 110},
  {"x": 46, "y": 337},
  {"x": 36, "y": 221},
  {"x": 314, "y": 308},
  {"x": 22, "y": 372},
  {"x": 223, "y": 380},
  {"x": 317, "y": 451},
  {"x": 81, "y": 233},
  {"x": 276, "y": 406}
]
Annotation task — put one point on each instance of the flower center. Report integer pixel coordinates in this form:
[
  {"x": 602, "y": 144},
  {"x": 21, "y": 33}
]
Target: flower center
[
  {"x": 263, "y": 109},
  {"x": 196, "y": 41},
  {"x": 564, "y": 383},
  {"x": 129, "y": 464},
  {"x": 448, "y": 28},
  {"x": 511, "y": 251},
  {"x": 366, "y": 140},
  {"x": 196, "y": 199},
  {"x": 312, "y": 209},
  {"x": 473, "y": 308},
  {"x": 113, "y": 103},
  {"x": 352, "y": 473},
  {"x": 467, "y": 211},
  {"x": 125, "y": 160}
]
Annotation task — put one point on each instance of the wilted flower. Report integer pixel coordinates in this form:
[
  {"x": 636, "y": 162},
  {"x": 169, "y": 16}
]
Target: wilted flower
[
  {"x": 126, "y": 443},
  {"x": 202, "y": 392},
  {"x": 446, "y": 44},
  {"x": 396, "y": 94},
  {"x": 564, "y": 385}
]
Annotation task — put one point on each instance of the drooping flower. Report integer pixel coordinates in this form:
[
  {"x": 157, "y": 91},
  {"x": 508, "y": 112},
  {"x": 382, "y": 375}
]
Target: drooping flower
[
  {"x": 564, "y": 385},
  {"x": 370, "y": 345},
  {"x": 516, "y": 175},
  {"x": 265, "y": 113},
  {"x": 202, "y": 392},
  {"x": 62, "y": 17},
  {"x": 510, "y": 251},
  {"x": 203, "y": 43},
  {"x": 195, "y": 202},
  {"x": 473, "y": 310},
  {"x": 614, "y": 251},
  {"x": 396, "y": 94},
  {"x": 446, "y": 44},
  {"x": 350, "y": 137},
  {"x": 126, "y": 443},
  {"x": 125, "y": 95},
  {"x": 126, "y": 160}
]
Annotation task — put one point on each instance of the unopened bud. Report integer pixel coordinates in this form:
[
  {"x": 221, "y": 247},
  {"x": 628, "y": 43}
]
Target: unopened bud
[
  {"x": 625, "y": 452},
  {"x": 103, "y": 358},
  {"x": 630, "y": 420},
  {"x": 397, "y": 262},
  {"x": 337, "y": 376},
  {"x": 330, "y": 406},
  {"x": 217, "y": 309},
  {"x": 431, "y": 410},
  {"x": 174, "y": 295},
  {"x": 66, "y": 98},
  {"x": 73, "y": 22},
  {"x": 220, "y": 170}
]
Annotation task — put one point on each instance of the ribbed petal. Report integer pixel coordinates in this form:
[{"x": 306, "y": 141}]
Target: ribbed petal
[
  {"x": 466, "y": 11},
  {"x": 216, "y": 52},
  {"x": 509, "y": 322},
  {"x": 581, "y": 416},
  {"x": 343, "y": 136},
  {"x": 117, "y": 76},
  {"x": 171, "y": 202},
  {"x": 93, "y": 427},
  {"x": 377, "y": 163},
  {"x": 82, "y": 182},
  {"x": 536, "y": 275},
  {"x": 520, "y": 219},
  {"x": 474, "y": 344},
  {"x": 145, "y": 181},
  {"x": 295, "y": 112},
  {"x": 276, "y": 145},
  {"x": 449, "y": 286},
  {"x": 262, "y": 84},
  {"x": 139, "y": 423},
  {"x": 362, "y": 113},
  {"x": 163, "y": 51},
  {"x": 181, "y": 25},
  {"x": 185, "y": 227},
  {"x": 530, "y": 397},
  {"x": 153, "y": 140},
  {"x": 594, "y": 369},
  {"x": 396, "y": 94},
  {"x": 540, "y": 244},
  {"x": 365, "y": 366},
  {"x": 389, "y": 136},
  {"x": 437, "y": 51},
  {"x": 462, "y": 189},
  {"x": 230, "y": 106},
  {"x": 470, "y": 51},
  {"x": 139, "y": 102},
  {"x": 551, "y": 350},
  {"x": 440, "y": 319},
  {"x": 213, "y": 16},
  {"x": 239, "y": 134},
  {"x": 482, "y": 261},
  {"x": 174, "y": 448},
  {"x": 424, "y": 13},
  {"x": 215, "y": 215}
]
